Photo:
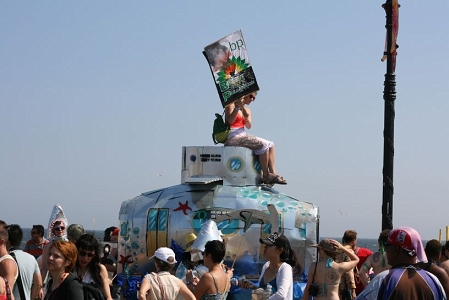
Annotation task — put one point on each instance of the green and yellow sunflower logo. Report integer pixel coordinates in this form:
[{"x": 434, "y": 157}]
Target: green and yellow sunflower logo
[{"x": 233, "y": 66}]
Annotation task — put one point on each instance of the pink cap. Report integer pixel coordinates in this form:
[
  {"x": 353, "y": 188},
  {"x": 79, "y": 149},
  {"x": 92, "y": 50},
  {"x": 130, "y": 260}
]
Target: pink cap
[{"x": 408, "y": 239}]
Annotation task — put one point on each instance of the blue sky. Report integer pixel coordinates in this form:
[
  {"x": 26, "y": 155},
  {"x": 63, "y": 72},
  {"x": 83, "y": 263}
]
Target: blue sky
[{"x": 98, "y": 98}]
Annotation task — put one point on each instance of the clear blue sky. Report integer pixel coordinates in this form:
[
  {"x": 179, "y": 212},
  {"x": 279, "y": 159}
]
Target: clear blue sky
[{"x": 98, "y": 98}]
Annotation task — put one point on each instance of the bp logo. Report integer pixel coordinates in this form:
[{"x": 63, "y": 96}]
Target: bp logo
[{"x": 235, "y": 164}]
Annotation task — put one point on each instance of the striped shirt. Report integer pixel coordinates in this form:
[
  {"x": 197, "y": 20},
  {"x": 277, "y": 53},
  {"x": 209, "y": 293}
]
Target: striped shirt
[{"x": 35, "y": 249}]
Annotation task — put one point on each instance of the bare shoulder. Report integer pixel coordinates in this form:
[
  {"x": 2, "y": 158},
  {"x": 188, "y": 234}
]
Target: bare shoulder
[{"x": 445, "y": 265}]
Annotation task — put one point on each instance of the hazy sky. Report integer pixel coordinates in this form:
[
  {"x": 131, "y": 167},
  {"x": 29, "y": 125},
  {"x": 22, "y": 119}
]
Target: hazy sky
[{"x": 98, "y": 98}]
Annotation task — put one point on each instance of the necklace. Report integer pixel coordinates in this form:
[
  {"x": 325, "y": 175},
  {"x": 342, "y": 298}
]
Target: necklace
[{"x": 82, "y": 275}]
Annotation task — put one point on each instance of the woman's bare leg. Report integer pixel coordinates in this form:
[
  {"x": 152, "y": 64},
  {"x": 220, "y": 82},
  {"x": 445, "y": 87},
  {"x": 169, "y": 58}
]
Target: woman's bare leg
[
  {"x": 264, "y": 160},
  {"x": 271, "y": 160}
]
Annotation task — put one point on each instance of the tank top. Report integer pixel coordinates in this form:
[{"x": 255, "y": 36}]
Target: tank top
[
  {"x": 239, "y": 122},
  {"x": 217, "y": 296},
  {"x": 163, "y": 285},
  {"x": 7, "y": 256}
]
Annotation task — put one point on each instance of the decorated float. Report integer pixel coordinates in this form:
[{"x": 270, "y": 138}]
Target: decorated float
[{"x": 220, "y": 184}]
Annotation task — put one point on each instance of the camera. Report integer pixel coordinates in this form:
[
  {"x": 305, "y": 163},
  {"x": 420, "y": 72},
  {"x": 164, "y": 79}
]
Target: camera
[{"x": 313, "y": 289}]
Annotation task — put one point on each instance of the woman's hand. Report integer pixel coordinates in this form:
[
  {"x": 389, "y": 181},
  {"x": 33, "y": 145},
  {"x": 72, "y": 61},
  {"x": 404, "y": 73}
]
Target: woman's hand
[
  {"x": 239, "y": 103},
  {"x": 337, "y": 245},
  {"x": 246, "y": 284}
]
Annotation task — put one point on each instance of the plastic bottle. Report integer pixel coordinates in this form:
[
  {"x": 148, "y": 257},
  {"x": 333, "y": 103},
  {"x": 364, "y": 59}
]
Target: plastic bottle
[{"x": 268, "y": 290}]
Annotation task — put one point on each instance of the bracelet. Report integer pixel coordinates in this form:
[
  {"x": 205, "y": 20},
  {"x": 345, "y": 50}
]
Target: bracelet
[
  {"x": 236, "y": 109},
  {"x": 189, "y": 283}
]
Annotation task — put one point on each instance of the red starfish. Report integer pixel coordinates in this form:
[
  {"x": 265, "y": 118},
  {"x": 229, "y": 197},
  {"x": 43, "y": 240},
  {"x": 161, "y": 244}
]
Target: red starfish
[
  {"x": 184, "y": 207},
  {"x": 123, "y": 260}
]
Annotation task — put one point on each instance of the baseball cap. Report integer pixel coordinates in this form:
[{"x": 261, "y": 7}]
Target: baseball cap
[
  {"x": 276, "y": 239},
  {"x": 326, "y": 245},
  {"x": 165, "y": 254},
  {"x": 408, "y": 239}
]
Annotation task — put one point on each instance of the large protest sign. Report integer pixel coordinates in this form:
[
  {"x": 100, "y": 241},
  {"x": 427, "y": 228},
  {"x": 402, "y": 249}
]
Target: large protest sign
[{"x": 231, "y": 69}]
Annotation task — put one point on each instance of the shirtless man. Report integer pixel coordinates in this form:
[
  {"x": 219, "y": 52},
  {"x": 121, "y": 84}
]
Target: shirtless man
[
  {"x": 433, "y": 252},
  {"x": 378, "y": 260},
  {"x": 445, "y": 264},
  {"x": 326, "y": 273}
]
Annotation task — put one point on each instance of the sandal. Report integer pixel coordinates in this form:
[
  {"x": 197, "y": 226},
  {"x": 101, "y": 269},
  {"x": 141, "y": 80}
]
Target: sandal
[{"x": 274, "y": 178}]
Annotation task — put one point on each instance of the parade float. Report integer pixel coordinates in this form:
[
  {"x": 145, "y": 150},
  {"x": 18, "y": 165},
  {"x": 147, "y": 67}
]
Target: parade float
[{"x": 220, "y": 184}]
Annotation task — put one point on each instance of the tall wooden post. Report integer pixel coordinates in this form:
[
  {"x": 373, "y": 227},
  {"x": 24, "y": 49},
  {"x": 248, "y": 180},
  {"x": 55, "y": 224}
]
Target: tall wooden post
[{"x": 389, "y": 95}]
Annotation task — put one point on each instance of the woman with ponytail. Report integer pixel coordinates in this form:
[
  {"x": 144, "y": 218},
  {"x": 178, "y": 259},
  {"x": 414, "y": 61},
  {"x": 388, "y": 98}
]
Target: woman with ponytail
[{"x": 280, "y": 268}]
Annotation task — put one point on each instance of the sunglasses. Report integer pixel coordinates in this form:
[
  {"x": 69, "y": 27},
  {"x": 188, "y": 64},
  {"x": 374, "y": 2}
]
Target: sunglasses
[
  {"x": 33, "y": 232},
  {"x": 84, "y": 253},
  {"x": 59, "y": 228}
]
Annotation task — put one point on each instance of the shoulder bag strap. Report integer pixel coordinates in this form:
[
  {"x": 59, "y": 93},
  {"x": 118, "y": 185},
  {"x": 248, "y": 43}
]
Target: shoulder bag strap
[
  {"x": 8, "y": 289},
  {"x": 19, "y": 278},
  {"x": 314, "y": 272},
  {"x": 160, "y": 286}
]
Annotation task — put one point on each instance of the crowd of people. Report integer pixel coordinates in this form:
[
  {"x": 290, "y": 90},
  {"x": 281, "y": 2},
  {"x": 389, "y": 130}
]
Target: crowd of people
[{"x": 56, "y": 268}]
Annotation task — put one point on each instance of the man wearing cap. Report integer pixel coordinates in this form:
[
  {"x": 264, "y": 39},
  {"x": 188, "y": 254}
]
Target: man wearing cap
[{"x": 405, "y": 280}]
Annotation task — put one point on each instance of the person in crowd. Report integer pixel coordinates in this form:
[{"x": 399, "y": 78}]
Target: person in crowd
[
  {"x": 58, "y": 232},
  {"x": 114, "y": 235},
  {"x": 107, "y": 233},
  {"x": 326, "y": 272},
  {"x": 61, "y": 260},
  {"x": 214, "y": 284},
  {"x": 186, "y": 261},
  {"x": 347, "y": 286},
  {"x": 350, "y": 238},
  {"x": 2, "y": 224},
  {"x": 88, "y": 266},
  {"x": 239, "y": 118},
  {"x": 405, "y": 280},
  {"x": 162, "y": 284},
  {"x": 433, "y": 252},
  {"x": 445, "y": 264},
  {"x": 280, "y": 268},
  {"x": 110, "y": 258},
  {"x": 30, "y": 278},
  {"x": 74, "y": 231},
  {"x": 35, "y": 246},
  {"x": 4, "y": 290},
  {"x": 8, "y": 266},
  {"x": 443, "y": 256},
  {"x": 110, "y": 263},
  {"x": 378, "y": 261}
]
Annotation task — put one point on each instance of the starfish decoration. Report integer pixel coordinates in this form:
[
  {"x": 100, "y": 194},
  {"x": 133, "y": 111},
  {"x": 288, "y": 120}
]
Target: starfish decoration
[
  {"x": 124, "y": 260},
  {"x": 184, "y": 207}
]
